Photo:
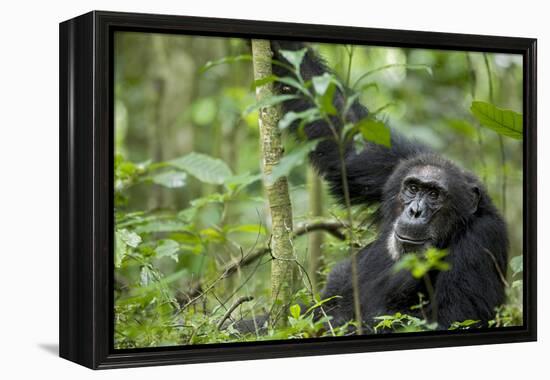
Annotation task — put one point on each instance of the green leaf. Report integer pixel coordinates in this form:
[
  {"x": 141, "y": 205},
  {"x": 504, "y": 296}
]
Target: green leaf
[
  {"x": 291, "y": 160},
  {"x": 129, "y": 238},
  {"x": 420, "y": 264},
  {"x": 268, "y": 102},
  {"x": 146, "y": 275},
  {"x": 121, "y": 250},
  {"x": 325, "y": 87},
  {"x": 168, "y": 248},
  {"x": 516, "y": 264},
  {"x": 205, "y": 168},
  {"x": 293, "y": 83},
  {"x": 233, "y": 59},
  {"x": 327, "y": 100},
  {"x": 294, "y": 57},
  {"x": 263, "y": 81},
  {"x": 170, "y": 179},
  {"x": 375, "y": 131},
  {"x": 464, "y": 325},
  {"x": 505, "y": 122},
  {"x": 295, "y": 311},
  {"x": 321, "y": 83},
  {"x": 307, "y": 116}
]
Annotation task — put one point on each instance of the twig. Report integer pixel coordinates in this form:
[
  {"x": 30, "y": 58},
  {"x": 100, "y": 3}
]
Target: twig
[
  {"x": 238, "y": 302},
  {"x": 499, "y": 271}
]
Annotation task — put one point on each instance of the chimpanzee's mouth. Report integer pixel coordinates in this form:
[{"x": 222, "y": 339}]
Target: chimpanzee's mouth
[{"x": 408, "y": 240}]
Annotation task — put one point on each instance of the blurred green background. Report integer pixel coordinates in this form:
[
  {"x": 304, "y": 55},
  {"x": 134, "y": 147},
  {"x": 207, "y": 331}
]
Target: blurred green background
[{"x": 176, "y": 233}]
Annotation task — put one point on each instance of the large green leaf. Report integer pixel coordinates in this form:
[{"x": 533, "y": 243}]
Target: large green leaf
[
  {"x": 325, "y": 88},
  {"x": 205, "y": 168},
  {"x": 505, "y": 122},
  {"x": 295, "y": 57},
  {"x": 168, "y": 248},
  {"x": 129, "y": 238},
  {"x": 375, "y": 131},
  {"x": 124, "y": 241},
  {"x": 171, "y": 179},
  {"x": 321, "y": 83},
  {"x": 516, "y": 263},
  {"x": 121, "y": 250},
  {"x": 306, "y": 116}
]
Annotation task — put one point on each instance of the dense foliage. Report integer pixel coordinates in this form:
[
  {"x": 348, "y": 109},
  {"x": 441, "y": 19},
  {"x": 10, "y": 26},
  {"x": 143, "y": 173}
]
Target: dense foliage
[{"x": 192, "y": 231}]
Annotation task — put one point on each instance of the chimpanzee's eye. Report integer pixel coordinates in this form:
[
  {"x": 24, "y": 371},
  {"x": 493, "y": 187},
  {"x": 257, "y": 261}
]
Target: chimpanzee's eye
[
  {"x": 413, "y": 188},
  {"x": 433, "y": 194}
]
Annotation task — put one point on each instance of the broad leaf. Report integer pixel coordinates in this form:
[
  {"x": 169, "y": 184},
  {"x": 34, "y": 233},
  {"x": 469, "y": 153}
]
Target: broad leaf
[
  {"x": 294, "y": 57},
  {"x": 516, "y": 264},
  {"x": 129, "y": 238},
  {"x": 146, "y": 275},
  {"x": 121, "y": 250},
  {"x": 375, "y": 131},
  {"x": 293, "y": 83},
  {"x": 307, "y": 116},
  {"x": 321, "y": 83},
  {"x": 295, "y": 311},
  {"x": 171, "y": 179},
  {"x": 168, "y": 248},
  {"x": 327, "y": 100},
  {"x": 263, "y": 81},
  {"x": 464, "y": 325},
  {"x": 205, "y": 168},
  {"x": 505, "y": 122},
  {"x": 325, "y": 88}
]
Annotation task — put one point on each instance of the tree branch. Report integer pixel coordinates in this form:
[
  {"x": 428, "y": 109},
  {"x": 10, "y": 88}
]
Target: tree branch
[
  {"x": 235, "y": 305},
  {"x": 330, "y": 227}
]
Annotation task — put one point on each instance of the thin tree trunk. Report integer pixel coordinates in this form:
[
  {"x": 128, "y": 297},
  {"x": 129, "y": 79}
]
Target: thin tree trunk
[
  {"x": 277, "y": 192},
  {"x": 315, "y": 239}
]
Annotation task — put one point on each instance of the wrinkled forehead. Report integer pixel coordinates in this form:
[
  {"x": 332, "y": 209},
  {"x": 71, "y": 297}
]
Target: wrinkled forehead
[{"x": 428, "y": 174}]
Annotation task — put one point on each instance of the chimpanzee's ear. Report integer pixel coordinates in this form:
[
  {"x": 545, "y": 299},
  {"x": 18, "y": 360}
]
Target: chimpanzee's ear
[{"x": 475, "y": 198}]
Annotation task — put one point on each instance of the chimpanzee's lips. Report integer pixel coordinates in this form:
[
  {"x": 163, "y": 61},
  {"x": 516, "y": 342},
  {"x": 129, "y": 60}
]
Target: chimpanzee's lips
[{"x": 409, "y": 240}]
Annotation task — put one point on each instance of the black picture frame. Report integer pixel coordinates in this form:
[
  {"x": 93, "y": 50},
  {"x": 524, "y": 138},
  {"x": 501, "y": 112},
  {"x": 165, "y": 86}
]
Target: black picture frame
[{"x": 86, "y": 188}]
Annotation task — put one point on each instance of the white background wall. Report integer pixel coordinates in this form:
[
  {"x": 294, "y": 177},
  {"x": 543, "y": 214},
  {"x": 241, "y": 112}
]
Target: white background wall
[{"x": 29, "y": 190}]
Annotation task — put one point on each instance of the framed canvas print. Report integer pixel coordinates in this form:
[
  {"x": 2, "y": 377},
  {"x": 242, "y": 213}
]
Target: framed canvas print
[{"x": 236, "y": 189}]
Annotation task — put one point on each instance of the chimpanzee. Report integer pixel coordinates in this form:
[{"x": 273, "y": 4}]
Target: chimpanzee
[{"x": 424, "y": 201}]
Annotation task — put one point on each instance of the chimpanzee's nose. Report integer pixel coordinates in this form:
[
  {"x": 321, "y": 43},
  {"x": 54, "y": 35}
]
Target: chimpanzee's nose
[{"x": 415, "y": 211}]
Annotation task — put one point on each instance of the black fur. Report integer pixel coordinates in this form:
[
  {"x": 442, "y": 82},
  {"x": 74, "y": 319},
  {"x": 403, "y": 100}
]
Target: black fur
[{"x": 477, "y": 242}]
